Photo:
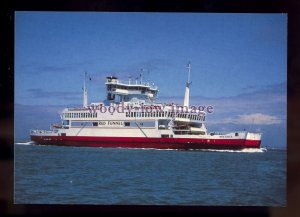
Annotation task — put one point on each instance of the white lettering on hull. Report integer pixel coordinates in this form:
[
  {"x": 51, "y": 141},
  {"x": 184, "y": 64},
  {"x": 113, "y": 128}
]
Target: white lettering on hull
[{"x": 111, "y": 123}]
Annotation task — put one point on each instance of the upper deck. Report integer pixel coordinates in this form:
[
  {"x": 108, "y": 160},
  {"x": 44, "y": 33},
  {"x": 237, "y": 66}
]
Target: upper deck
[
  {"x": 129, "y": 83},
  {"x": 120, "y": 91}
]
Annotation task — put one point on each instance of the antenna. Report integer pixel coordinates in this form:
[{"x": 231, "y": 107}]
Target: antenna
[
  {"x": 129, "y": 79},
  {"x": 141, "y": 74}
]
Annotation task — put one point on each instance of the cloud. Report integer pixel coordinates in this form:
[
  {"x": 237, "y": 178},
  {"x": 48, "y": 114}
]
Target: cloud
[
  {"x": 34, "y": 117},
  {"x": 272, "y": 103},
  {"x": 46, "y": 68},
  {"x": 155, "y": 63},
  {"x": 149, "y": 68},
  {"x": 265, "y": 89},
  {"x": 39, "y": 68},
  {"x": 269, "y": 99},
  {"x": 40, "y": 93},
  {"x": 255, "y": 118},
  {"x": 265, "y": 105}
]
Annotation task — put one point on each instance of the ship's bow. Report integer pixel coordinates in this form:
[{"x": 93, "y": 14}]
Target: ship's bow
[{"x": 253, "y": 140}]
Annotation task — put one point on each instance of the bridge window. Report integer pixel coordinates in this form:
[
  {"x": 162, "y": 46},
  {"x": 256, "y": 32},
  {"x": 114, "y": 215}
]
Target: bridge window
[
  {"x": 127, "y": 124},
  {"x": 95, "y": 124}
]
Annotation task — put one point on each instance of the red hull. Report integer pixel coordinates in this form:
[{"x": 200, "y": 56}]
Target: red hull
[{"x": 157, "y": 143}]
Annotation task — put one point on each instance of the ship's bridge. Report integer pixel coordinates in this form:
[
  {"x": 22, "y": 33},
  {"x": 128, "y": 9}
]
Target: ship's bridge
[{"x": 119, "y": 91}]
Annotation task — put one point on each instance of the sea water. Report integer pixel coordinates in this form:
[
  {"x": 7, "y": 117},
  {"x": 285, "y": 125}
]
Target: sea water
[{"x": 80, "y": 175}]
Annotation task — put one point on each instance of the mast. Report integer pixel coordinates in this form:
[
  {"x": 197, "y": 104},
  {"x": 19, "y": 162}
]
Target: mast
[
  {"x": 141, "y": 74},
  {"x": 85, "y": 95},
  {"x": 187, "y": 88}
]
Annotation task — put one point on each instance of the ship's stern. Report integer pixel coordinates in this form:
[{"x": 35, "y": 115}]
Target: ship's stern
[{"x": 44, "y": 137}]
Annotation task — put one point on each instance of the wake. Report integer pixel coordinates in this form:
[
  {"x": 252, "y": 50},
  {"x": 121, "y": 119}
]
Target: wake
[
  {"x": 25, "y": 143},
  {"x": 245, "y": 150}
]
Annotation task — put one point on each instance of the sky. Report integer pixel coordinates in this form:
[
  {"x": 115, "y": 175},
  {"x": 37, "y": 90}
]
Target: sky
[{"x": 239, "y": 64}]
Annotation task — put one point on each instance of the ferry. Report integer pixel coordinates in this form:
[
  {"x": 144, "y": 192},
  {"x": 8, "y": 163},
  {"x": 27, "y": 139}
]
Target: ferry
[{"x": 131, "y": 117}]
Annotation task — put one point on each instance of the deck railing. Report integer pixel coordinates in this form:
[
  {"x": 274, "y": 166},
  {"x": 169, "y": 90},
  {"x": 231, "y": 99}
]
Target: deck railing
[{"x": 43, "y": 132}]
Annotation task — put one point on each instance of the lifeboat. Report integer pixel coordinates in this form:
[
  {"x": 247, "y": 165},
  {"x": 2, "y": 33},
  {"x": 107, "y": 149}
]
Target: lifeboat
[{"x": 56, "y": 126}]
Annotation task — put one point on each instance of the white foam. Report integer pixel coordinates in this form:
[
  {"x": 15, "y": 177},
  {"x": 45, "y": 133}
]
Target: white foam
[
  {"x": 137, "y": 148},
  {"x": 245, "y": 150},
  {"x": 165, "y": 149},
  {"x": 25, "y": 143}
]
